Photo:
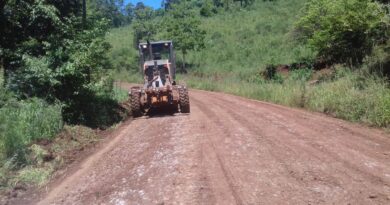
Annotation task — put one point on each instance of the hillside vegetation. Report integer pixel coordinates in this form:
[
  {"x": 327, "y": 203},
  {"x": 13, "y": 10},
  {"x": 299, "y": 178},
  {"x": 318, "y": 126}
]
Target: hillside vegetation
[
  {"x": 265, "y": 52},
  {"x": 54, "y": 73}
]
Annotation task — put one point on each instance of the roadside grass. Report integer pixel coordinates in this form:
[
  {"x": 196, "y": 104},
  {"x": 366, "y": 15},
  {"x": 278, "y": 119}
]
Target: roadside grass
[
  {"x": 349, "y": 96},
  {"x": 354, "y": 98},
  {"x": 23, "y": 122},
  {"x": 44, "y": 158},
  {"x": 119, "y": 94},
  {"x": 35, "y": 142}
]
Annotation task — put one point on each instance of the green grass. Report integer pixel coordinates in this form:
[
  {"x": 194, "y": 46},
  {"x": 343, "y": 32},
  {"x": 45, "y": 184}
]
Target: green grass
[
  {"x": 244, "y": 42},
  {"x": 63, "y": 148},
  {"x": 24, "y": 122},
  {"x": 34, "y": 175},
  {"x": 123, "y": 55},
  {"x": 119, "y": 94},
  {"x": 353, "y": 98}
]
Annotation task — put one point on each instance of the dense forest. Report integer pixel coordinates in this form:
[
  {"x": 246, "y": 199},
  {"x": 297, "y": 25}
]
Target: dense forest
[{"x": 59, "y": 59}]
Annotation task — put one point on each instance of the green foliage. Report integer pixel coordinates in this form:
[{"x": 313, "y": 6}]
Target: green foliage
[
  {"x": 245, "y": 41},
  {"x": 123, "y": 56},
  {"x": 354, "y": 98},
  {"x": 33, "y": 175},
  {"x": 379, "y": 61},
  {"x": 57, "y": 57},
  {"x": 301, "y": 74},
  {"x": 143, "y": 25},
  {"x": 116, "y": 11},
  {"x": 24, "y": 122},
  {"x": 207, "y": 9},
  {"x": 343, "y": 31},
  {"x": 182, "y": 27}
]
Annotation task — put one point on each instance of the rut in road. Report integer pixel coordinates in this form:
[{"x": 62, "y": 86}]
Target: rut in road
[{"x": 232, "y": 150}]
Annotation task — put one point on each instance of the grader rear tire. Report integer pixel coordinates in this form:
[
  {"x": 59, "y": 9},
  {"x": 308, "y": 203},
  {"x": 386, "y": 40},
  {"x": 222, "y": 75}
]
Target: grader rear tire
[
  {"x": 135, "y": 104},
  {"x": 184, "y": 101}
]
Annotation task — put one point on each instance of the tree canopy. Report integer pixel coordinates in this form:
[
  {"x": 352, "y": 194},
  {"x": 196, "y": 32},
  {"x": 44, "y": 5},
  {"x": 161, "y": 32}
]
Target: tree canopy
[
  {"x": 343, "y": 31},
  {"x": 182, "y": 26}
]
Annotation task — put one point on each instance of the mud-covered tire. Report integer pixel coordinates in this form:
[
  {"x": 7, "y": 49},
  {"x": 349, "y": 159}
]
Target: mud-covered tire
[
  {"x": 135, "y": 104},
  {"x": 184, "y": 100}
]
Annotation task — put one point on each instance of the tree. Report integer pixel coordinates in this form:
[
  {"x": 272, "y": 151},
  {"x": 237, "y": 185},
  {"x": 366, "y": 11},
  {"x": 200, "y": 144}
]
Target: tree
[
  {"x": 182, "y": 26},
  {"x": 38, "y": 26},
  {"x": 167, "y": 4},
  {"x": 343, "y": 31},
  {"x": 129, "y": 12},
  {"x": 55, "y": 56},
  {"x": 144, "y": 27},
  {"x": 116, "y": 11}
]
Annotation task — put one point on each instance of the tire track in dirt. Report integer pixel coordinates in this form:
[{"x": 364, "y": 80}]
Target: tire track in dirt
[
  {"x": 366, "y": 134},
  {"x": 323, "y": 149},
  {"x": 243, "y": 118},
  {"x": 228, "y": 177},
  {"x": 230, "y": 117}
]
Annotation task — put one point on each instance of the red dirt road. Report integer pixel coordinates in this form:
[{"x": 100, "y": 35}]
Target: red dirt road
[{"x": 231, "y": 150}]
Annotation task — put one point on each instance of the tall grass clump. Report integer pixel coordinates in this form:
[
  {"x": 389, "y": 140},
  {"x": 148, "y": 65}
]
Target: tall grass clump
[
  {"x": 24, "y": 122},
  {"x": 354, "y": 98}
]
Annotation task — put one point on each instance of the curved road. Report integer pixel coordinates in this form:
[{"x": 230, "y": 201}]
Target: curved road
[{"x": 232, "y": 150}]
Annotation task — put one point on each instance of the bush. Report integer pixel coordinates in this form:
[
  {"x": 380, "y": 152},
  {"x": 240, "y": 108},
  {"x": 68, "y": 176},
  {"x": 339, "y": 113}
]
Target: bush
[
  {"x": 24, "y": 122},
  {"x": 343, "y": 31},
  {"x": 379, "y": 61}
]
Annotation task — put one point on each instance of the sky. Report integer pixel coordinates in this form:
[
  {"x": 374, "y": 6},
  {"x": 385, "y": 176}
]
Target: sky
[{"x": 153, "y": 3}]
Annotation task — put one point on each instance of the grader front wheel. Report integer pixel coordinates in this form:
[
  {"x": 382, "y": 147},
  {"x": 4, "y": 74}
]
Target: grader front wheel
[{"x": 184, "y": 101}]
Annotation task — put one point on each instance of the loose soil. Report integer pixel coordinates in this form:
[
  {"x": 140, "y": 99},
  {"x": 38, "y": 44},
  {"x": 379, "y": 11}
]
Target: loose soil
[{"x": 232, "y": 150}]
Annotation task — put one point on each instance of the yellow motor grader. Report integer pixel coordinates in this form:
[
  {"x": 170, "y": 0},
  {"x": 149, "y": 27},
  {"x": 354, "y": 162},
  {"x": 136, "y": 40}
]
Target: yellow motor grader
[{"x": 160, "y": 91}]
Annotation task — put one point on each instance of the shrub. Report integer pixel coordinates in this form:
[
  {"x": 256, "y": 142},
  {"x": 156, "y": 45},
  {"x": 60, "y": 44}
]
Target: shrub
[
  {"x": 342, "y": 31},
  {"x": 379, "y": 61}
]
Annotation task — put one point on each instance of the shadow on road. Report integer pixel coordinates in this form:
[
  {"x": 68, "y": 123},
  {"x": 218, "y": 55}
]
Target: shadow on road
[{"x": 159, "y": 113}]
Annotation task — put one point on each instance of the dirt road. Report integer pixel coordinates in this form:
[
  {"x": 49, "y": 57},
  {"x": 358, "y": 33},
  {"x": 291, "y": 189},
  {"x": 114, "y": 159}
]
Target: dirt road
[{"x": 231, "y": 150}]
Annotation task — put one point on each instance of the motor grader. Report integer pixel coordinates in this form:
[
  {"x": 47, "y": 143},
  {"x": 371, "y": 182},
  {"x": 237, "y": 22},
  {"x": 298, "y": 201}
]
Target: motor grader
[{"x": 160, "y": 91}]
